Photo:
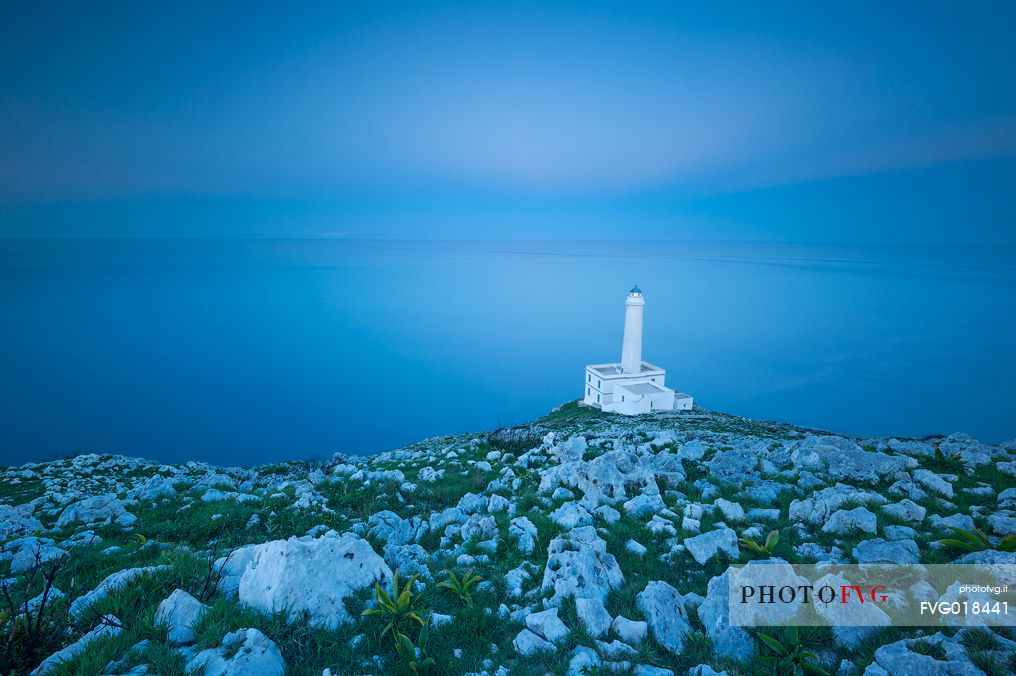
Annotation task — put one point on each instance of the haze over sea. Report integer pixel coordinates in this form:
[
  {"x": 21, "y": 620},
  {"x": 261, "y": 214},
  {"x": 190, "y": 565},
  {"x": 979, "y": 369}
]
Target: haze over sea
[{"x": 247, "y": 351}]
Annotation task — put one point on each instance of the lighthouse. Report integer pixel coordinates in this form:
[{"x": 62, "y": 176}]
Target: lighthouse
[
  {"x": 632, "y": 386},
  {"x": 631, "y": 348}
]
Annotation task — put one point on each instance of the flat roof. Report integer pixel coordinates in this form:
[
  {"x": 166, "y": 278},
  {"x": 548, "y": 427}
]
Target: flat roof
[
  {"x": 611, "y": 370},
  {"x": 641, "y": 388}
]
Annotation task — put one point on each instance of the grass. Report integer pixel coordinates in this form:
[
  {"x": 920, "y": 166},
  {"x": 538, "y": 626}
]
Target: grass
[{"x": 180, "y": 533}]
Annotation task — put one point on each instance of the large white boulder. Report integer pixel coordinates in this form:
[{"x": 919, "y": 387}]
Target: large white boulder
[
  {"x": 546, "y": 624},
  {"x": 96, "y": 509},
  {"x": 706, "y": 546},
  {"x": 179, "y": 613},
  {"x": 109, "y": 626},
  {"x": 310, "y": 575},
  {"x": 881, "y": 551},
  {"x": 593, "y": 616},
  {"x": 578, "y": 565},
  {"x": 524, "y": 532},
  {"x": 612, "y": 477},
  {"x": 114, "y": 582},
  {"x": 663, "y": 607},
  {"x": 819, "y": 507},
  {"x": 15, "y": 521},
  {"x": 904, "y": 658},
  {"x": 32, "y": 553},
  {"x": 847, "y": 520},
  {"x": 571, "y": 515},
  {"x": 527, "y": 644},
  {"x": 244, "y": 652}
]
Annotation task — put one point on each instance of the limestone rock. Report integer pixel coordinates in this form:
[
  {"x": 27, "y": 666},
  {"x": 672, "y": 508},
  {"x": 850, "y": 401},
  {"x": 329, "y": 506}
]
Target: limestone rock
[
  {"x": 95, "y": 509},
  {"x": 636, "y": 548},
  {"x": 935, "y": 483},
  {"x": 610, "y": 478},
  {"x": 112, "y": 582},
  {"x": 820, "y": 506},
  {"x": 571, "y": 515},
  {"x": 309, "y": 575},
  {"x": 727, "y": 641},
  {"x": 882, "y": 551},
  {"x": 608, "y": 514},
  {"x": 844, "y": 521},
  {"x": 644, "y": 505},
  {"x": 243, "y": 652},
  {"x": 524, "y": 532},
  {"x": 906, "y": 510},
  {"x": 631, "y": 632},
  {"x": 705, "y": 546},
  {"x": 578, "y": 565},
  {"x": 663, "y": 607},
  {"x": 109, "y": 626},
  {"x": 546, "y": 624},
  {"x": 593, "y": 616},
  {"x": 17, "y": 521},
  {"x": 528, "y": 644},
  {"x": 408, "y": 560},
  {"x": 1002, "y": 524},
  {"x": 34, "y": 552},
  {"x": 903, "y": 658},
  {"x": 851, "y": 622},
  {"x": 731, "y": 510},
  {"x": 180, "y": 612},
  {"x": 583, "y": 661}
]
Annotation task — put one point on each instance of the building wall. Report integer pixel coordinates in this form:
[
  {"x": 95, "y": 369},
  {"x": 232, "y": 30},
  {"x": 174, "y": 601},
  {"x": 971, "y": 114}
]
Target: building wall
[
  {"x": 599, "y": 391},
  {"x": 629, "y": 405}
]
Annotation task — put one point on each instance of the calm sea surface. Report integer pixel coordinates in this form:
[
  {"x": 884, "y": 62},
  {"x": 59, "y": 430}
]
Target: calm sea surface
[{"x": 248, "y": 351}]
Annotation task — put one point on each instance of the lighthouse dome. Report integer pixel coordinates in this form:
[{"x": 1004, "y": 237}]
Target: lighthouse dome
[{"x": 636, "y": 291}]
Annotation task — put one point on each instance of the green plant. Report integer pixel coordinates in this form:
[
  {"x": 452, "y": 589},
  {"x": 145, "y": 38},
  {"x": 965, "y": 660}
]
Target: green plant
[
  {"x": 952, "y": 462},
  {"x": 772, "y": 540},
  {"x": 415, "y": 659},
  {"x": 977, "y": 541},
  {"x": 792, "y": 658},
  {"x": 934, "y": 650},
  {"x": 462, "y": 585},
  {"x": 396, "y": 607}
]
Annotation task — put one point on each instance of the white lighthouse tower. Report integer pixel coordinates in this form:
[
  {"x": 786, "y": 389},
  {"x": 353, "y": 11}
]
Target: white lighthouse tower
[
  {"x": 631, "y": 349},
  {"x": 632, "y": 386}
]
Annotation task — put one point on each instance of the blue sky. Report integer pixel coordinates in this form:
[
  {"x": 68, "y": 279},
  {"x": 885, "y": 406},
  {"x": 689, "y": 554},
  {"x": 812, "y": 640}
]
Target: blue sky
[{"x": 855, "y": 122}]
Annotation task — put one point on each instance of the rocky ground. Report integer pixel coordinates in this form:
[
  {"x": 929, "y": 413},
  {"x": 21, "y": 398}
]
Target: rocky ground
[{"x": 582, "y": 543}]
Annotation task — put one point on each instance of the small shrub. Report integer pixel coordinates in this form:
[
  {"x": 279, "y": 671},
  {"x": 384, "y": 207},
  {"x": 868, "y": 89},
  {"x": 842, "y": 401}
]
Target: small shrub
[
  {"x": 977, "y": 541},
  {"x": 772, "y": 540},
  {"x": 396, "y": 608},
  {"x": 415, "y": 659},
  {"x": 792, "y": 658},
  {"x": 461, "y": 585}
]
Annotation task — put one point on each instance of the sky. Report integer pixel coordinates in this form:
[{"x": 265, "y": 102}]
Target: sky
[{"x": 752, "y": 121}]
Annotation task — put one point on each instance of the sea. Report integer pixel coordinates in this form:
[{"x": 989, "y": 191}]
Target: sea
[{"x": 248, "y": 351}]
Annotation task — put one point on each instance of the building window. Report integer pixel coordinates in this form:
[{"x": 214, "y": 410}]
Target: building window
[
  {"x": 599, "y": 384},
  {"x": 588, "y": 392},
  {"x": 622, "y": 397},
  {"x": 650, "y": 403},
  {"x": 597, "y": 399},
  {"x": 589, "y": 377}
]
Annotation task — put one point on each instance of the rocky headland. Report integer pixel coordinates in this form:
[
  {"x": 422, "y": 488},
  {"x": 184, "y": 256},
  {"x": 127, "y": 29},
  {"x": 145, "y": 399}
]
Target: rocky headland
[{"x": 582, "y": 543}]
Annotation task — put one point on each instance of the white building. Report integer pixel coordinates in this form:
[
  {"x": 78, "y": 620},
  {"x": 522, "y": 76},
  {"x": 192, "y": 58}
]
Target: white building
[{"x": 632, "y": 386}]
